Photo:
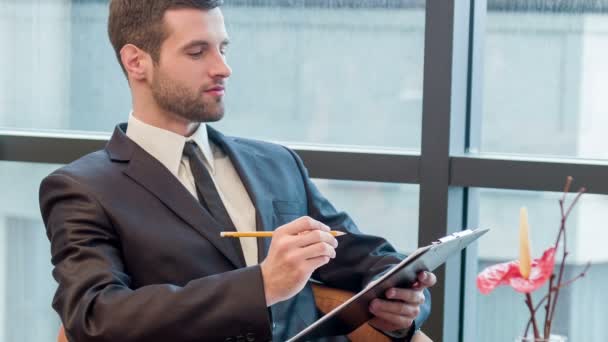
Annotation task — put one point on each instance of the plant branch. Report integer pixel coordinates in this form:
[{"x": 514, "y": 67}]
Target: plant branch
[
  {"x": 562, "y": 233},
  {"x": 548, "y": 306},
  {"x": 581, "y": 191},
  {"x": 532, "y": 315},
  {"x": 569, "y": 180},
  {"x": 565, "y": 215},
  {"x": 554, "y": 289},
  {"x": 556, "y": 282}
]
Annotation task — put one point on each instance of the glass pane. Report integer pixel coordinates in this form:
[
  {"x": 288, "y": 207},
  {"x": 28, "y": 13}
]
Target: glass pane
[
  {"x": 26, "y": 283},
  {"x": 383, "y": 209},
  {"x": 349, "y": 73},
  {"x": 545, "y": 79},
  {"x": 502, "y": 315}
]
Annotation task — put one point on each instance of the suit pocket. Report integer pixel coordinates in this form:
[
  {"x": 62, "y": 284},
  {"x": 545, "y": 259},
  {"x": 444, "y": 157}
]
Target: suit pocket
[
  {"x": 289, "y": 207},
  {"x": 287, "y": 211}
]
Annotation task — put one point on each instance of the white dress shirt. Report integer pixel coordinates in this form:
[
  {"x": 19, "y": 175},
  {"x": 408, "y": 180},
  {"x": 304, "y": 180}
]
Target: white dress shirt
[{"x": 167, "y": 147}]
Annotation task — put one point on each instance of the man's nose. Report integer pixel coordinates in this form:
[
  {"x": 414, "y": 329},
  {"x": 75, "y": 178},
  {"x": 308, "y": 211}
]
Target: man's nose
[{"x": 220, "y": 67}]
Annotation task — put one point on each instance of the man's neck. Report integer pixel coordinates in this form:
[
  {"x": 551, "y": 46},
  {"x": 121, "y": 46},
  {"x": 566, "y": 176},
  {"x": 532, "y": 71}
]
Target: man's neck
[{"x": 165, "y": 120}]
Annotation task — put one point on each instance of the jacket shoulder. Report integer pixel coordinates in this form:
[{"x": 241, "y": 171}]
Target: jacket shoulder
[
  {"x": 263, "y": 147},
  {"x": 89, "y": 169}
]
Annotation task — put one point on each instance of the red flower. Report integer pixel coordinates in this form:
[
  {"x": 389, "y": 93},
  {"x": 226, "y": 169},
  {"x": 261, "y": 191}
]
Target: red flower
[{"x": 508, "y": 273}]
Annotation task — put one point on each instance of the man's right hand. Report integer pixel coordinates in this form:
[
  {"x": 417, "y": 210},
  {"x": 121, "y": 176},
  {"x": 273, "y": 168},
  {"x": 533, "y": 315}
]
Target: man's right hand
[{"x": 297, "y": 249}]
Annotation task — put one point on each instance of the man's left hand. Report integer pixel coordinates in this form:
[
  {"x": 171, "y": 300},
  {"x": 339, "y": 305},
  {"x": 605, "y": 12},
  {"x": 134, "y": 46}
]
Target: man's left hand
[{"x": 402, "y": 306}]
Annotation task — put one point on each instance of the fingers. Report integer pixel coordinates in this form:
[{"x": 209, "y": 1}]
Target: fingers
[
  {"x": 296, "y": 250},
  {"x": 307, "y": 238},
  {"x": 409, "y": 296},
  {"x": 316, "y": 250},
  {"x": 425, "y": 279},
  {"x": 302, "y": 224},
  {"x": 392, "y": 315},
  {"x": 395, "y": 307},
  {"x": 390, "y": 321},
  {"x": 315, "y": 236},
  {"x": 398, "y": 311},
  {"x": 317, "y": 262},
  {"x": 305, "y": 243}
]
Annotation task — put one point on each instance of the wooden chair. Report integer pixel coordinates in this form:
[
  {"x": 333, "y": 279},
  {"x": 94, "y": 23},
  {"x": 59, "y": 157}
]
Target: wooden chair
[
  {"x": 61, "y": 336},
  {"x": 326, "y": 299}
]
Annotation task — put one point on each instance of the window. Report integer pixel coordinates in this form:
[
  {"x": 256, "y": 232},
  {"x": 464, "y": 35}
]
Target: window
[
  {"x": 502, "y": 313},
  {"x": 26, "y": 283},
  {"x": 299, "y": 73},
  {"x": 544, "y": 79}
]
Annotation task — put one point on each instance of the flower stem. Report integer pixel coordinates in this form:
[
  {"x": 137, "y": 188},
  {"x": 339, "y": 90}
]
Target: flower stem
[
  {"x": 562, "y": 233},
  {"x": 532, "y": 316},
  {"x": 553, "y": 289},
  {"x": 547, "y": 329}
]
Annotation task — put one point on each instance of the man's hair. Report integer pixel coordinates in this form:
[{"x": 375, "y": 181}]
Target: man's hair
[{"x": 140, "y": 22}]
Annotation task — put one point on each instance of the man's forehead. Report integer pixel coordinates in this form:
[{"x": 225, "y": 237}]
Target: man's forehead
[{"x": 185, "y": 24}]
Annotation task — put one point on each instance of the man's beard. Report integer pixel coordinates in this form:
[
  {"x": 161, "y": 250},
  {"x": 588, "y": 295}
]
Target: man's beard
[{"x": 184, "y": 103}]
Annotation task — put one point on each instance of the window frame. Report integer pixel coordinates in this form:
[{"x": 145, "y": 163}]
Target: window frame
[{"x": 444, "y": 169}]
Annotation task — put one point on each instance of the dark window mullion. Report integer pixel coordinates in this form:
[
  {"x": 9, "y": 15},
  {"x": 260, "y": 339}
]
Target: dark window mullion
[
  {"x": 444, "y": 111},
  {"x": 528, "y": 174},
  {"x": 468, "y": 296}
]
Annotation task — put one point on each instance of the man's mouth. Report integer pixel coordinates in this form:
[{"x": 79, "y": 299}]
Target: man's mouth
[{"x": 215, "y": 91}]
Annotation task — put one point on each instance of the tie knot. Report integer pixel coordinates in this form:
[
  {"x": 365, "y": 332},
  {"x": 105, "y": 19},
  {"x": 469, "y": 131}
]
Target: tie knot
[{"x": 190, "y": 149}]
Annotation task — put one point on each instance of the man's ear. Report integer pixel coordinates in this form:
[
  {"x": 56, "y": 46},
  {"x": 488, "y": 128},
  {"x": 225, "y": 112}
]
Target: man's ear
[{"x": 136, "y": 62}]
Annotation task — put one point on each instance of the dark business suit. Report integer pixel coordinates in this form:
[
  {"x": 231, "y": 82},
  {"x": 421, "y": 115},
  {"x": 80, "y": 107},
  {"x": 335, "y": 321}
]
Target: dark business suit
[{"x": 138, "y": 259}]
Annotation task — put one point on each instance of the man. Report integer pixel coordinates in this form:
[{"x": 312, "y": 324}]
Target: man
[{"x": 135, "y": 228}]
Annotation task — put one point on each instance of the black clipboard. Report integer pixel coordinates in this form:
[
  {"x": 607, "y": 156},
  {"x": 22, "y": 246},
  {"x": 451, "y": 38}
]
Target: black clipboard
[{"x": 354, "y": 312}]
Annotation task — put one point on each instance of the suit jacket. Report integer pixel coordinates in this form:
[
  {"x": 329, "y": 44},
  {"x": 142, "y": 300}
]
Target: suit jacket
[{"x": 138, "y": 259}]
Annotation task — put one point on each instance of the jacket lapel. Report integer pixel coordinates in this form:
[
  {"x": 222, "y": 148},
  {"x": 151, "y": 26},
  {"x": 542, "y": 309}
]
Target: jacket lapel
[
  {"x": 153, "y": 176},
  {"x": 246, "y": 162}
]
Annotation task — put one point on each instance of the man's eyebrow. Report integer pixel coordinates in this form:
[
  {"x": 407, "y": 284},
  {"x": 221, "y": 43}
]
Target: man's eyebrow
[
  {"x": 195, "y": 43},
  {"x": 203, "y": 43}
]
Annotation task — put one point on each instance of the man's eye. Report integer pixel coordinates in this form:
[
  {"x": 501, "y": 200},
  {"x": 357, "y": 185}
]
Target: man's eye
[{"x": 195, "y": 54}]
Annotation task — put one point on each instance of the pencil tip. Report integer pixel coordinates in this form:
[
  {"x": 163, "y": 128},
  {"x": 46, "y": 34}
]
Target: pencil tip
[
  {"x": 338, "y": 233},
  {"x": 222, "y": 234}
]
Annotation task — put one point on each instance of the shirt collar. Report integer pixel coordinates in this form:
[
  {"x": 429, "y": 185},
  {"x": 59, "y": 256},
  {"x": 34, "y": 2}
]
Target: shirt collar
[{"x": 166, "y": 146}]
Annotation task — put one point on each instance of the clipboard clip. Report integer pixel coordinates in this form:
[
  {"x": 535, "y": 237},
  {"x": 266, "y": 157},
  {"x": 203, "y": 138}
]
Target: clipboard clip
[{"x": 453, "y": 236}]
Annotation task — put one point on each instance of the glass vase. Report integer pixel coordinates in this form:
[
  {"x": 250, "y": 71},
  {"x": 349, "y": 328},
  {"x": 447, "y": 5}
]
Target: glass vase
[{"x": 552, "y": 338}]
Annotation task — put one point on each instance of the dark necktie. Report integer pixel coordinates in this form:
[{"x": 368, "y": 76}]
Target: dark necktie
[{"x": 207, "y": 193}]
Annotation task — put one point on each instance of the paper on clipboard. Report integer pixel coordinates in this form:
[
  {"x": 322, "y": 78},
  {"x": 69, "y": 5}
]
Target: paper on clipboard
[{"x": 354, "y": 312}]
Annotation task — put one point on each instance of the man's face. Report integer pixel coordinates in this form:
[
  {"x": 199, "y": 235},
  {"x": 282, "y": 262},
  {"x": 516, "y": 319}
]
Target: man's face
[{"x": 190, "y": 77}]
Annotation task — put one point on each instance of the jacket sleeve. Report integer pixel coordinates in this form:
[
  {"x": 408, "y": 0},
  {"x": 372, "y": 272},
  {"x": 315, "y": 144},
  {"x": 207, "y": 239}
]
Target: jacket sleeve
[
  {"x": 94, "y": 298},
  {"x": 360, "y": 258}
]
